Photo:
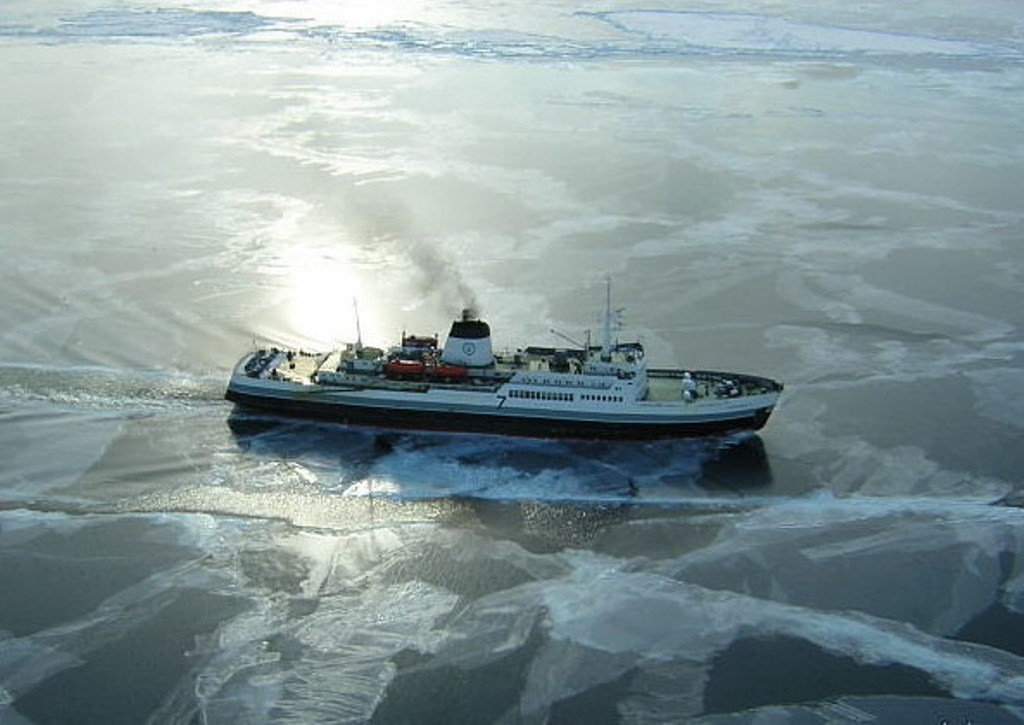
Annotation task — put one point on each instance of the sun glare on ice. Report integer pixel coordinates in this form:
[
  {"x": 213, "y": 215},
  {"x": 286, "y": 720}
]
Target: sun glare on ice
[
  {"x": 321, "y": 291},
  {"x": 352, "y": 13}
]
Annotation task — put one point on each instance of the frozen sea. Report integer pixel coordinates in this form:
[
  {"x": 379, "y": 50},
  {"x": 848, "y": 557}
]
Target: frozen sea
[{"x": 827, "y": 193}]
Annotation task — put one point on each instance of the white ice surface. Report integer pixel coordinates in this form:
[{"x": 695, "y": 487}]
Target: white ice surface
[
  {"x": 933, "y": 564},
  {"x": 605, "y": 619},
  {"x": 27, "y": 660},
  {"x": 749, "y": 33}
]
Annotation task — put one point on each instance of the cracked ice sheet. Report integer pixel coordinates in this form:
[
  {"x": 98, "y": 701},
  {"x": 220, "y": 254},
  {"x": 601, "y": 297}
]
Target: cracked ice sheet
[
  {"x": 748, "y": 33},
  {"x": 43, "y": 451},
  {"x": 935, "y": 565},
  {"x": 367, "y": 598},
  {"x": 999, "y": 395},
  {"x": 850, "y": 465},
  {"x": 605, "y": 619},
  {"x": 280, "y": 658},
  {"x": 623, "y": 616},
  {"x": 160, "y": 570}
]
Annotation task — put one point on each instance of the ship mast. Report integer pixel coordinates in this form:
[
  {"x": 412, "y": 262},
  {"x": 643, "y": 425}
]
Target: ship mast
[
  {"x": 359, "y": 332},
  {"x": 606, "y": 344}
]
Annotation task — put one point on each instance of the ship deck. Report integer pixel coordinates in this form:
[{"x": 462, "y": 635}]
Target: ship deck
[{"x": 664, "y": 385}]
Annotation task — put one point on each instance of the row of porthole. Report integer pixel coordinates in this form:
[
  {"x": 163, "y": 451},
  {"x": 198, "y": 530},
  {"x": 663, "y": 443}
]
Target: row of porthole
[
  {"x": 568, "y": 397},
  {"x": 541, "y": 395}
]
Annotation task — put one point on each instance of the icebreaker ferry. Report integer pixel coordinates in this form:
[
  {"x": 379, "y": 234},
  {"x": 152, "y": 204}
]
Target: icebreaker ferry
[{"x": 588, "y": 391}]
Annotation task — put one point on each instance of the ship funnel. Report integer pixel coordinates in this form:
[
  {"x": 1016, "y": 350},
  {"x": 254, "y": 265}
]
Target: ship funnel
[{"x": 469, "y": 342}]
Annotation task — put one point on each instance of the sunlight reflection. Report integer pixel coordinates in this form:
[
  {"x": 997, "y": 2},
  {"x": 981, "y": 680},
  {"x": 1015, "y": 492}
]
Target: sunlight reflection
[
  {"x": 351, "y": 13},
  {"x": 320, "y": 292}
]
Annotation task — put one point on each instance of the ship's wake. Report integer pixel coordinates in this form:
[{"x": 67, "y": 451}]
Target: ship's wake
[
  {"x": 105, "y": 389},
  {"x": 366, "y": 462}
]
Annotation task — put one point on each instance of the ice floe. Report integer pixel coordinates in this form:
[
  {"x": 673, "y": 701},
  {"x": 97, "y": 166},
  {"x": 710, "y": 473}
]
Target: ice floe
[{"x": 749, "y": 33}]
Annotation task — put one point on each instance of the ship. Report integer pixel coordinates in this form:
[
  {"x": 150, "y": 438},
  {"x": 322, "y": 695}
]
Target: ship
[{"x": 585, "y": 391}]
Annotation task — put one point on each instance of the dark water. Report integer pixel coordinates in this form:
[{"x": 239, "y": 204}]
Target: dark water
[{"x": 828, "y": 195}]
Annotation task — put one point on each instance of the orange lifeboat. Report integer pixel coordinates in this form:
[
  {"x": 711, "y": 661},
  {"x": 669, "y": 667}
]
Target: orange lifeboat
[
  {"x": 444, "y": 370},
  {"x": 404, "y": 368}
]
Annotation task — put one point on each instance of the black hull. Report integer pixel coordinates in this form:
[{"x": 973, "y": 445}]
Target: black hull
[{"x": 532, "y": 427}]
